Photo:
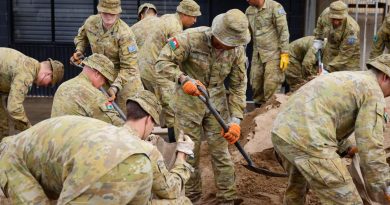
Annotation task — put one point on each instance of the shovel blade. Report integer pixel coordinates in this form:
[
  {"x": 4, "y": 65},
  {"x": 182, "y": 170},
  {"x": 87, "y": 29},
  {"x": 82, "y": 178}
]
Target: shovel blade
[{"x": 265, "y": 172}]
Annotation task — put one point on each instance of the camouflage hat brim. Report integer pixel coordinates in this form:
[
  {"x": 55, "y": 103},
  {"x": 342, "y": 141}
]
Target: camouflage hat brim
[
  {"x": 337, "y": 16},
  {"x": 189, "y": 8},
  {"x": 232, "y": 39},
  {"x": 148, "y": 101},
  {"x": 380, "y": 66},
  {"x": 146, "y": 5},
  {"x": 57, "y": 69},
  {"x": 102, "y": 64},
  {"x": 116, "y": 10},
  {"x": 188, "y": 12}
]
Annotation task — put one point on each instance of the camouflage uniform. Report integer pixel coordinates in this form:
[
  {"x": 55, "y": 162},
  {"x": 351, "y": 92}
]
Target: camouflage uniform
[
  {"x": 119, "y": 46},
  {"x": 309, "y": 128},
  {"x": 76, "y": 160},
  {"x": 342, "y": 51},
  {"x": 382, "y": 40},
  {"x": 142, "y": 29},
  {"x": 165, "y": 28},
  {"x": 200, "y": 60},
  {"x": 17, "y": 75},
  {"x": 302, "y": 64},
  {"x": 167, "y": 185},
  {"x": 270, "y": 38},
  {"x": 78, "y": 96}
]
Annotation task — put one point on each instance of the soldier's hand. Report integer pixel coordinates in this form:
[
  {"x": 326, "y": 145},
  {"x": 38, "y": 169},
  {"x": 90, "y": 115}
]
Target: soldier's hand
[
  {"x": 233, "y": 134},
  {"x": 190, "y": 86},
  {"x": 112, "y": 93},
  {"x": 185, "y": 144},
  {"x": 318, "y": 44},
  {"x": 284, "y": 61},
  {"x": 152, "y": 138},
  {"x": 77, "y": 57}
]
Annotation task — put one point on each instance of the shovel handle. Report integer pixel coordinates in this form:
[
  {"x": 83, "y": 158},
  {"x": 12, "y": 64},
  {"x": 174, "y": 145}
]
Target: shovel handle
[{"x": 205, "y": 98}]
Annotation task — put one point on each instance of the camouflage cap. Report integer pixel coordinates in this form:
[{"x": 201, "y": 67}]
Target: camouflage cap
[
  {"x": 110, "y": 6},
  {"x": 58, "y": 70},
  {"x": 146, "y": 5},
  {"x": 231, "y": 28},
  {"x": 338, "y": 10},
  {"x": 381, "y": 63},
  {"x": 102, "y": 64},
  {"x": 189, "y": 7},
  {"x": 148, "y": 101}
]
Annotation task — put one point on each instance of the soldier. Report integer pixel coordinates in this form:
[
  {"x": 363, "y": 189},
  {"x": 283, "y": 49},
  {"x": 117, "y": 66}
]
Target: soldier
[
  {"x": 211, "y": 56},
  {"x": 302, "y": 65},
  {"x": 342, "y": 51},
  {"x": 109, "y": 35},
  {"x": 382, "y": 39},
  {"x": 80, "y": 95},
  {"x": 146, "y": 10},
  {"x": 76, "y": 160},
  {"x": 164, "y": 28},
  {"x": 268, "y": 25},
  {"x": 324, "y": 112},
  {"x": 146, "y": 13},
  {"x": 167, "y": 185},
  {"x": 17, "y": 74}
]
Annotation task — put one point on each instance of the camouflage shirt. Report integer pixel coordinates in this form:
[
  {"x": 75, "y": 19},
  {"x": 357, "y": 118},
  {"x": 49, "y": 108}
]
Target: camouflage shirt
[
  {"x": 117, "y": 43},
  {"x": 382, "y": 40},
  {"x": 328, "y": 109},
  {"x": 66, "y": 155},
  {"x": 79, "y": 97},
  {"x": 269, "y": 29},
  {"x": 302, "y": 51},
  {"x": 17, "y": 74},
  {"x": 165, "y": 27},
  {"x": 200, "y": 60},
  {"x": 342, "y": 51},
  {"x": 142, "y": 29},
  {"x": 167, "y": 184}
]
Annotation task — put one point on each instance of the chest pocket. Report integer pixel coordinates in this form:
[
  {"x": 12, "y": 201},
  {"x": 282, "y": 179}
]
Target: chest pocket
[{"x": 263, "y": 22}]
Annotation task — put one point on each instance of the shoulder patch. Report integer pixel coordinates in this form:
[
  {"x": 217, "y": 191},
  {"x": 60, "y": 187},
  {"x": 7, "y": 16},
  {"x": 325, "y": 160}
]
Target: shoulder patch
[
  {"x": 132, "y": 48},
  {"x": 173, "y": 43},
  {"x": 109, "y": 106},
  {"x": 351, "y": 40},
  {"x": 281, "y": 11},
  {"x": 386, "y": 117}
]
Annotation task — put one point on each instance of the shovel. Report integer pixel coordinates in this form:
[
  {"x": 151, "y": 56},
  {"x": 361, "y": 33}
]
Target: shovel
[
  {"x": 206, "y": 99},
  {"x": 116, "y": 107}
]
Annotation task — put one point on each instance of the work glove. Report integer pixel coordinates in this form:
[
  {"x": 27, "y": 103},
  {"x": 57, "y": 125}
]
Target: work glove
[
  {"x": 318, "y": 44},
  {"x": 112, "y": 93},
  {"x": 284, "y": 61},
  {"x": 233, "y": 133},
  {"x": 152, "y": 138},
  {"x": 350, "y": 152},
  {"x": 190, "y": 86},
  {"x": 77, "y": 57},
  {"x": 185, "y": 144}
]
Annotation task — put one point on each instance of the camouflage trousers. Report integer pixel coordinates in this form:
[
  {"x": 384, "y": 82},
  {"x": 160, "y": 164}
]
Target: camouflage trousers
[
  {"x": 129, "y": 89},
  {"x": 164, "y": 92},
  {"x": 4, "y": 127},
  {"x": 179, "y": 201},
  {"x": 295, "y": 75},
  {"x": 266, "y": 79},
  {"x": 221, "y": 160},
  {"x": 129, "y": 182},
  {"x": 328, "y": 178}
]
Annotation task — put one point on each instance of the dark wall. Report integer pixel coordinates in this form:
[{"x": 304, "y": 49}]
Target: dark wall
[{"x": 4, "y": 23}]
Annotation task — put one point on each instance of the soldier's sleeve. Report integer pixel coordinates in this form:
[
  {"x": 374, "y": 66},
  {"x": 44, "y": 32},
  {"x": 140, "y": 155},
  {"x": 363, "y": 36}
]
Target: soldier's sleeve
[
  {"x": 282, "y": 28},
  {"x": 320, "y": 25},
  {"x": 173, "y": 53},
  {"x": 309, "y": 62},
  {"x": 168, "y": 184},
  {"x": 19, "y": 89},
  {"x": 128, "y": 60},
  {"x": 81, "y": 40},
  {"x": 348, "y": 48},
  {"x": 378, "y": 43},
  {"x": 106, "y": 112},
  {"x": 237, "y": 85},
  {"x": 369, "y": 140}
]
